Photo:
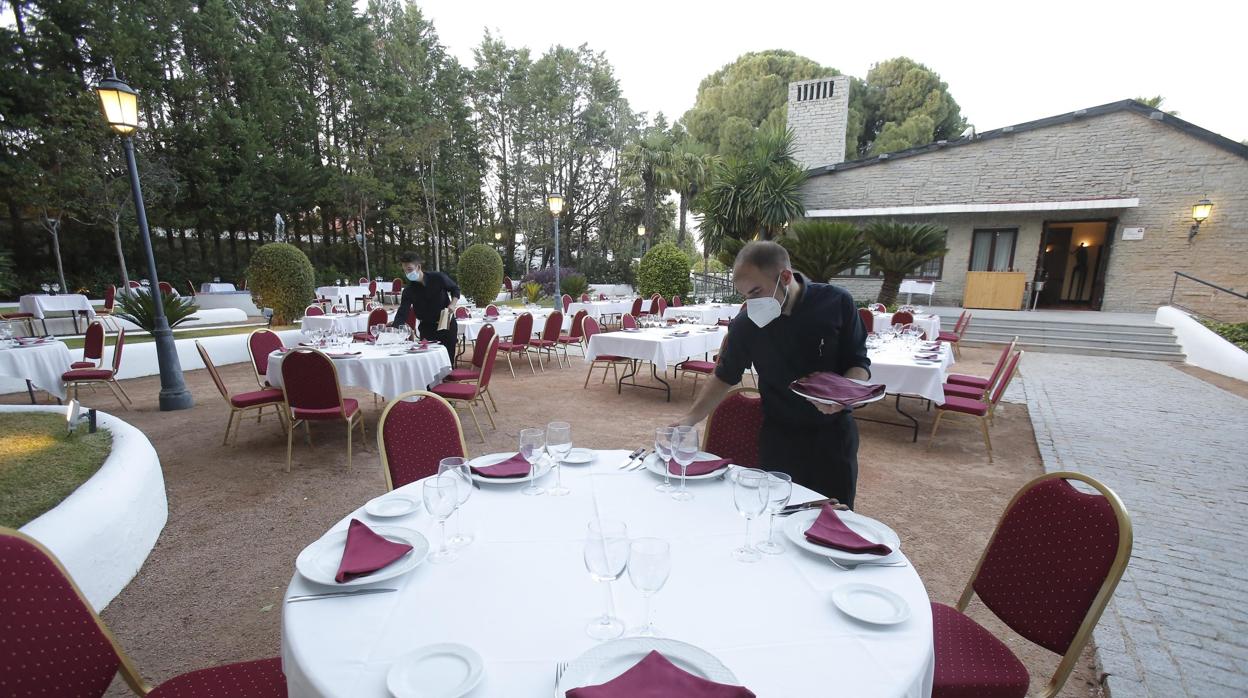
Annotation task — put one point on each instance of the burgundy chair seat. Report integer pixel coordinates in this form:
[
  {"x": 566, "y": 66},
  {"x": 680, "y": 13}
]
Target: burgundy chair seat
[
  {"x": 349, "y": 404},
  {"x": 510, "y": 346},
  {"x": 569, "y": 339},
  {"x": 973, "y": 381},
  {"x": 967, "y": 391},
  {"x": 82, "y": 374},
  {"x": 259, "y": 679},
  {"x": 463, "y": 374},
  {"x": 83, "y": 364},
  {"x": 723, "y": 322},
  {"x": 971, "y": 662},
  {"x": 965, "y": 405},
  {"x": 542, "y": 342},
  {"x": 361, "y": 336},
  {"x": 698, "y": 365},
  {"x": 946, "y": 336},
  {"x": 455, "y": 391},
  {"x": 256, "y": 397}
]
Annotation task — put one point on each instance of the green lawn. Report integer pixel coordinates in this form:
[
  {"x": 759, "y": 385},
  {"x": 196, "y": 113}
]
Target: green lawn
[
  {"x": 76, "y": 343},
  {"x": 40, "y": 464}
]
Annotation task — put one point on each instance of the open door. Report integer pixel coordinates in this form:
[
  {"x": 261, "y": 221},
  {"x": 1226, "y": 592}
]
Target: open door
[{"x": 1102, "y": 264}]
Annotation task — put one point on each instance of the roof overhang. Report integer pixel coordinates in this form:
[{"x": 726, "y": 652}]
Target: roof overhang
[{"x": 934, "y": 209}]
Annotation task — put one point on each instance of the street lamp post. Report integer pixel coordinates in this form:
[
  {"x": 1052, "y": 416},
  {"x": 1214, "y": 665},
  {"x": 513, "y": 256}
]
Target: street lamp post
[
  {"x": 641, "y": 242},
  {"x": 359, "y": 240},
  {"x": 120, "y": 105},
  {"x": 555, "y": 202}
]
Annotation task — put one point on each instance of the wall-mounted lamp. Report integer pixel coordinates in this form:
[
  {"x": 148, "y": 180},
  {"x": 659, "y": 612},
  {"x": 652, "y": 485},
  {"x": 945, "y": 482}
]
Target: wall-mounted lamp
[{"x": 1200, "y": 212}]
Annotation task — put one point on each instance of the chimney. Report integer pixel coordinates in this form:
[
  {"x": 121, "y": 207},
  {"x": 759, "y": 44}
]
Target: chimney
[{"x": 818, "y": 116}]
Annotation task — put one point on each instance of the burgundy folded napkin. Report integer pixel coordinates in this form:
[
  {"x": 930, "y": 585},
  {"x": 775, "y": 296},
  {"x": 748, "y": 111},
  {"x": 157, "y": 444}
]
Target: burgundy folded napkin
[
  {"x": 927, "y": 356},
  {"x": 366, "y": 552},
  {"x": 698, "y": 467},
  {"x": 512, "y": 467},
  {"x": 835, "y": 388},
  {"x": 829, "y": 530},
  {"x": 343, "y": 354},
  {"x": 656, "y": 677}
]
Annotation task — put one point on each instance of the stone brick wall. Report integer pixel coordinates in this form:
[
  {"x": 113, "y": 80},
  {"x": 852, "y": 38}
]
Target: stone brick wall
[
  {"x": 1117, "y": 155},
  {"x": 818, "y": 116}
]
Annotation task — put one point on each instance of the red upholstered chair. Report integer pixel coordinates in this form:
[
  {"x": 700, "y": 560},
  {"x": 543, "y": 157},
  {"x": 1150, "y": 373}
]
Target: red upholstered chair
[
  {"x": 166, "y": 289},
  {"x": 1048, "y": 572},
  {"x": 372, "y": 292},
  {"x": 76, "y": 377},
  {"x": 362, "y": 282},
  {"x": 470, "y": 393},
  {"x": 566, "y": 299},
  {"x": 242, "y": 402},
  {"x": 676, "y": 302},
  {"x": 26, "y": 318},
  {"x": 976, "y": 408},
  {"x": 602, "y": 296},
  {"x": 461, "y": 313},
  {"x": 376, "y": 316},
  {"x": 480, "y": 347},
  {"x": 584, "y": 297},
  {"x": 959, "y": 329},
  {"x": 395, "y": 292},
  {"x": 877, "y": 308},
  {"x": 92, "y": 347},
  {"x": 509, "y": 286},
  {"x": 915, "y": 326},
  {"x": 576, "y": 333},
  {"x": 958, "y": 383},
  {"x": 411, "y": 319},
  {"x": 868, "y": 319},
  {"x": 521, "y": 335},
  {"x": 902, "y": 317},
  {"x": 313, "y": 310},
  {"x": 110, "y": 305},
  {"x": 190, "y": 285},
  {"x": 636, "y": 311},
  {"x": 56, "y": 645},
  {"x": 313, "y": 394},
  {"x": 628, "y": 322},
  {"x": 548, "y": 341},
  {"x": 414, "y": 433},
  {"x": 658, "y": 305},
  {"x": 732, "y": 428},
  {"x": 491, "y": 310},
  {"x": 135, "y": 284},
  {"x": 261, "y": 343},
  {"x": 611, "y": 361}
]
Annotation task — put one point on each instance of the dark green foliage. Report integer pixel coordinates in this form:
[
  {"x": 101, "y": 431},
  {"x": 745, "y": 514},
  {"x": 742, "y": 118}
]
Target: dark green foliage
[
  {"x": 753, "y": 197},
  {"x": 480, "y": 274},
  {"x": 1234, "y": 332},
  {"x": 574, "y": 285},
  {"x": 139, "y": 307},
  {"x": 7, "y": 278},
  {"x": 281, "y": 277},
  {"x": 664, "y": 270},
  {"x": 902, "y": 104},
  {"x": 823, "y": 249},
  {"x": 898, "y": 249}
]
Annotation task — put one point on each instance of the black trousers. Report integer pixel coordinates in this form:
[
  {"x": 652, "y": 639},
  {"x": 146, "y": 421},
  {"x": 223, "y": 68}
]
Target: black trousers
[
  {"x": 823, "y": 458},
  {"x": 447, "y": 338}
]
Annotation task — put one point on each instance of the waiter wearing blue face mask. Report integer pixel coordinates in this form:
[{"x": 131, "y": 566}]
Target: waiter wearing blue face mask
[
  {"x": 791, "y": 327},
  {"x": 427, "y": 293}
]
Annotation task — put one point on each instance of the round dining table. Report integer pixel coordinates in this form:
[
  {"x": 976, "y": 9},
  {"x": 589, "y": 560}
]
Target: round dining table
[
  {"x": 388, "y": 370},
  {"x": 40, "y": 363},
  {"x": 341, "y": 322},
  {"x": 520, "y": 597}
]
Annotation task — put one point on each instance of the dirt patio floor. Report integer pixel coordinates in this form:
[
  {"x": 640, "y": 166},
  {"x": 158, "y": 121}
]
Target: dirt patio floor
[{"x": 211, "y": 590}]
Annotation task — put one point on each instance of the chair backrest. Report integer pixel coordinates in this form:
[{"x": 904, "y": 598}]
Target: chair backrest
[
  {"x": 868, "y": 319},
  {"x": 396, "y": 286},
  {"x": 732, "y": 428},
  {"x": 491, "y": 310},
  {"x": 658, "y": 305},
  {"x": 118, "y": 345},
  {"x": 337, "y": 308},
  {"x": 589, "y": 327},
  {"x": 902, "y": 317},
  {"x": 522, "y": 331},
  {"x": 110, "y": 297},
  {"x": 313, "y": 310},
  {"x": 310, "y": 380},
  {"x": 915, "y": 326},
  {"x": 1001, "y": 361},
  {"x": 93, "y": 343},
  {"x": 414, "y": 435},
  {"x": 166, "y": 288},
  {"x": 461, "y": 313},
  {"x": 567, "y": 300},
  {"x": 628, "y": 322},
  {"x": 64, "y": 647},
  {"x": 602, "y": 296},
  {"x": 242, "y": 284},
  {"x": 957, "y": 326},
  {"x": 191, "y": 286},
  {"x": 261, "y": 343},
  {"x": 553, "y": 326},
  {"x": 1010, "y": 369},
  {"x": 372, "y": 288},
  {"x": 212, "y": 370},
  {"x": 481, "y": 344},
  {"x": 135, "y": 284},
  {"x": 377, "y": 316},
  {"x": 1053, "y": 563},
  {"x": 584, "y": 297},
  {"x": 577, "y": 320},
  {"x": 507, "y": 283},
  {"x": 363, "y": 281},
  {"x": 487, "y": 367},
  {"x": 676, "y": 302},
  {"x": 636, "y": 311},
  {"x": 966, "y": 322}
]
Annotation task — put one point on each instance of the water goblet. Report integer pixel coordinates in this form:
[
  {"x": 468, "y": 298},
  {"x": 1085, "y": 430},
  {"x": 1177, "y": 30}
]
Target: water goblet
[
  {"x": 56, "y": 288},
  {"x": 779, "y": 490},
  {"x": 441, "y": 497},
  {"x": 532, "y": 442},
  {"x": 649, "y": 565},
  {"x": 749, "y": 495},
  {"x": 457, "y": 469},
  {"x": 558, "y": 446},
  {"x": 606, "y": 556},
  {"x": 684, "y": 450},
  {"x": 45, "y": 287},
  {"x": 663, "y": 451}
]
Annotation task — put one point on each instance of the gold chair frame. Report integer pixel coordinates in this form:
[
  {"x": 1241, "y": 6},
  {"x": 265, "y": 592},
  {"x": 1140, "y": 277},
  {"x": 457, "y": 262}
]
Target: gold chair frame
[
  {"x": 985, "y": 420},
  {"x": 235, "y": 412},
  {"x": 381, "y": 427},
  {"x": 307, "y": 430},
  {"x": 112, "y": 383},
  {"x": 480, "y": 395},
  {"x": 260, "y": 379}
]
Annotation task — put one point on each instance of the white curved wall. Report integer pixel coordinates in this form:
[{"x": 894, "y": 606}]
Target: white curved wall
[
  {"x": 105, "y": 529},
  {"x": 1204, "y": 347}
]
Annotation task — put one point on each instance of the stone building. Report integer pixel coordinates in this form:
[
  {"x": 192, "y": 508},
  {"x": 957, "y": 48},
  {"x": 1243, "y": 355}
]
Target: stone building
[{"x": 1097, "y": 202}]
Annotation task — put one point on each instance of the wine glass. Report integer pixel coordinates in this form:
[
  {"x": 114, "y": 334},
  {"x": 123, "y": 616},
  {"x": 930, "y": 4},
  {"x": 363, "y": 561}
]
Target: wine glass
[
  {"x": 779, "y": 489},
  {"x": 45, "y": 287},
  {"x": 532, "y": 441},
  {"x": 375, "y": 332},
  {"x": 684, "y": 450},
  {"x": 56, "y": 288},
  {"x": 457, "y": 469},
  {"x": 663, "y": 451},
  {"x": 558, "y": 445},
  {"x": 749, "y": 494},
  {"x": 606, "y": 556},
  {"x": 441, "y": 496},
  {"x": 649, "y": 564}
]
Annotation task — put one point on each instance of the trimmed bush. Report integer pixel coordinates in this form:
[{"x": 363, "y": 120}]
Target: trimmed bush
[
  {"x": 480, "y": 274},
  {"x": 665, "y": 271},
  {"x": 574, "y": 285},
  {"x": 281, "y": 277}
]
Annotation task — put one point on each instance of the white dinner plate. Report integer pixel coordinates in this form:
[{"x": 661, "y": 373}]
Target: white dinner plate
[
  {"x": 391, "y": 505},
  {"x": 654, "y": 466},
  {"x": 877, "y": 398},
  {"x": 543, "y": 467},
  {"x": 319, "y": 561},
  {"x": 444, "y": 670},
  {"x": 577, "y": 456},
  {"x": 796, "y": 524},
  {"x": 610, "y": 659},
  {"x": 871, "y": 604}
]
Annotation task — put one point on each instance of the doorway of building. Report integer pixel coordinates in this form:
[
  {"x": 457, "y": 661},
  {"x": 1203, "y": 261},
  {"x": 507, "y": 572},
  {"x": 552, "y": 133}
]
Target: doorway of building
[{"x": 1072, "y": 261}]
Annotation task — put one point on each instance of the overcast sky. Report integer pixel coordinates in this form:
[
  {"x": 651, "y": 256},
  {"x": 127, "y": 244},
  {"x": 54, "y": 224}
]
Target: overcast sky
[{"x": 1003, "y": 65}]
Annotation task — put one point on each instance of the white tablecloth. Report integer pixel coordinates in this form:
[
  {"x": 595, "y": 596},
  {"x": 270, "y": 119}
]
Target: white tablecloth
[
  {"x": 657, "y": 345},
  {"x": 39, "y": 304},
  {"x": 355, "y": 322},
  {"x": 376, "y": 369},
  {"x": 505, "y": 322},
  {"x": 342, "y": 293},
  {"x": 707, "y": 314},
  {"x": 897, "y": 370},
  {"x": 41, "y": 364},
  {"x": 213, "y": 287},
  {"x": 520, "y": 596},
  {"x": 929, "y": 323}
]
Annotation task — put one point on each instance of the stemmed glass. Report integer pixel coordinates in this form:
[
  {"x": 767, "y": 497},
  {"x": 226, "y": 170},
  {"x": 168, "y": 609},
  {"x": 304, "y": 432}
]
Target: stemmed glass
[
  {"x": 457, "y": 469},
  {"x": 649, "y": 564},
  {"x": 558, "y": 445},
  {"x": 45, "y": 287},
  {"x": 684, "y": 450},
  {"x": 532, "y": 441},
  {"x": 749, "y": 494},
  {"x": 56, "y": 288},
  {"x": 441, "y": 496},
  {"x": 606, "y": 556},
  {"x": 779, "y": 489},
  {"x": 375, "y": 331},
  {"x": 663, "y": 451}
]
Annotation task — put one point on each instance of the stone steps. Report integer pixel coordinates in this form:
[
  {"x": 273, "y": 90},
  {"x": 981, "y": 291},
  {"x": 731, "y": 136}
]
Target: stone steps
[{"x": 1088, "y": 338}]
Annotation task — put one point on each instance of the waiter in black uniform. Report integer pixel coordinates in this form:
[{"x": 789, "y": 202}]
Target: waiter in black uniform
[
  {"x": 792, "y": 327},
  {"x": 428, "y": 292}
]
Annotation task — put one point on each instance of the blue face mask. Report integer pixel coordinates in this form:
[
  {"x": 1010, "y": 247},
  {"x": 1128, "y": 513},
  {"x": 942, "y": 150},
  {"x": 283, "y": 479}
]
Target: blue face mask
[{"x": 414, "y": 276}]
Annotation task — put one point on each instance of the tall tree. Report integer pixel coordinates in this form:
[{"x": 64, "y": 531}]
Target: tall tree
[
  {"x": 650, "y": 162},
  {"x": 754, "y": 197},
  {"x": 903, "y": 104}
]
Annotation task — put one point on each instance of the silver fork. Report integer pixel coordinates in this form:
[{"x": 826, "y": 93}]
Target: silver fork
[
  {"x": 631, "y": 457},
  {"x": 851, "y": 568},
  {"x": 559, "y": 669},
  {"x": 641, "y": 462}
]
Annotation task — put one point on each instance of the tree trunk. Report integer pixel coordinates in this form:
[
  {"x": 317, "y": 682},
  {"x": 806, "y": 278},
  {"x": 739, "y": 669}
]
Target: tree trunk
[
  {"x": 684, "y": 209},
  {"x": 888, "y": 289},
  {"x": 121, "y": 255},
  {"x": 233, "y": 252},
  {"x": 56, "y": 252}
]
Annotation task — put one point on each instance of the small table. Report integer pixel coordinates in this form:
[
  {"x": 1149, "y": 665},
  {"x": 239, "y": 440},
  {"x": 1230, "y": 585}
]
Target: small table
[
  {"x": 388, "y": 371},
  {"x": 214, "y": 287},
  {"x": 705, "y": 313},
  {"x": 929, "y": 323},
  {"x": 343, "y": 293},
  {"x": 40, "y": 365},
  {"x": 899, "y": 373},
  {"x": 39, "y": 305},
  {"x": 659, "y": 346}
]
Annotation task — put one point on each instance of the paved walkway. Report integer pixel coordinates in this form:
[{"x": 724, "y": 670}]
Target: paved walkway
[{"x": 1175, "y": 449}]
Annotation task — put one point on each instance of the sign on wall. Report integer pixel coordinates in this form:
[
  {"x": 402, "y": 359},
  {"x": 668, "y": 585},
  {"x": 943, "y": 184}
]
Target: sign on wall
[{"x": 1133, "y": 233}]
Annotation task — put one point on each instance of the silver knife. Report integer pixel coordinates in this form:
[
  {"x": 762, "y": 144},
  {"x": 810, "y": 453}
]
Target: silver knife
[
  {"x": 332, "y": 594},
  {"x": 794, "y": 508},
  {"x": 631, "y": 457},
  {"x": 641, "y": 462}
]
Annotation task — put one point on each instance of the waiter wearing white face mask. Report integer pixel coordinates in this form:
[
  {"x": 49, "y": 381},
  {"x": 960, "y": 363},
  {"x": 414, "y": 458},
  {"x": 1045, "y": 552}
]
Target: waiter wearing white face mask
[
  {"x": 792, "y": 327},
  {"x": 426, "y": 294}
]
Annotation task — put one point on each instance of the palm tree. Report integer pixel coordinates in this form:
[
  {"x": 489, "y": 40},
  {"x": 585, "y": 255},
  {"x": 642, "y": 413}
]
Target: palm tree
[
  {"x": 898, "y": 249},
  {"x": 690, "y": 170},
  {"x": 648, "y": 163},
  {"x": 823, "y": 249}
]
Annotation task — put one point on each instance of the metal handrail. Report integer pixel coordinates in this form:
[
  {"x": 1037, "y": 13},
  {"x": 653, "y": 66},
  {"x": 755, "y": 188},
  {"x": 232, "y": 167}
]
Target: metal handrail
[
  {"x": 1174, "y": 288},
  {"x": 707, "y": 285}
]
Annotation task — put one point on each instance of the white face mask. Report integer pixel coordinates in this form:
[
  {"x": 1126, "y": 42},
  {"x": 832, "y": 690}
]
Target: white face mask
[
  {"x": 763, "y": 310},
  {"x": 414, "y": 276}
]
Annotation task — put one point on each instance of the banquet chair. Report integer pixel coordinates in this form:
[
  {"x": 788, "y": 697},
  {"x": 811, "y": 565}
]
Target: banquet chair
[
  {"x": 27, "y": 319},
  {"x": 868, "y": 319},
  {"x": 491, "y": 310},
  {"x": 376, "y": 316},
  {"x": 1048, "y": 572},
  {"x": 313, "y": 310},
  {"x": 658, "y": 305},
  {"x": 959, "y": 329},
  {"x": 878, "y": 308},
  {"x": 372, "y": 292},
  {"x": 611, "y": 361},
  {"x": 242, "y": 284},
  {"x": 521, "y": 334},
  {"x": 166, "y": 289},
  {"x": 92, "y": 347},
  {"x": 362, "y": 281},
  {"x": 565, "y": 300},
  {"x": 636, "y": 311},
  {"x": 191, "y": 285},
  {"x": 509, "y": 286},
  {"x": 698, "y": 367},
  {"x": 395, "y": 292},
  {"x": 242, "y": 402},
  {"x": 411, "y": 319},
  {"x": 902, "y": 317},
  {"x": 472, "y": 392},
  {"x": 732, "y": 427},
  {"x": 313, "y": 394},
  {"x": 573, "y": 338},
  {"x": 135, "y": 284},
  {"x": 415, "y": 432},
  {"x": 915, "y": 326},
  {"x": 461, "y": 313},
  {"x": 602, "y": 296},
  {"x": 261, "y": 343},
  {"x": 973, "y": 386},
  {"x": 76, "y": 377},
  {"x": 584, "y": 297},
  {"x": 548, "y": 341},
  {"x": 479, "y": 349},
  {"x": 110, "y": 305},
  {"x": 977, "y": 408},
  {"x": 59, "y": 646},
  {"x": 628, "y": 322},
  {"x": 676, "y": 302}
]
